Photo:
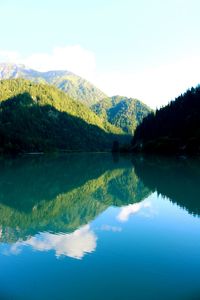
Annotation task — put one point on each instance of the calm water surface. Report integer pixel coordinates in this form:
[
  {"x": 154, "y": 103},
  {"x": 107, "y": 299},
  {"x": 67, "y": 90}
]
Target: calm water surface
[{"x": 93, "y": 226}]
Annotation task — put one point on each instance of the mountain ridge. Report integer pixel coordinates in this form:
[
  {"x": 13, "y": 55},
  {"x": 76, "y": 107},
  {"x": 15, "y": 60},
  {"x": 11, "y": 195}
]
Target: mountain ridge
[{"x": 75, "y": 86}]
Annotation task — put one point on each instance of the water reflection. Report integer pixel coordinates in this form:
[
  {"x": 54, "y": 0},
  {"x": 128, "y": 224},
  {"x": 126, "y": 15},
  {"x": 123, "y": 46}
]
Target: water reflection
[
  {"x": 74, "y": 245},
  {"x": 144, "y": 207},
  {"x": 115, "y": 227},
  {"x": 48, "y": 202},
  {"x": 175, "y": 178}
]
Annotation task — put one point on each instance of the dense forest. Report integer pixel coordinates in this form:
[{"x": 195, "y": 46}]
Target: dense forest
[
  {"x": 125, "y": 113},
  {"x": 39, "y": 117},
  {"x": 174, "y": 128}
]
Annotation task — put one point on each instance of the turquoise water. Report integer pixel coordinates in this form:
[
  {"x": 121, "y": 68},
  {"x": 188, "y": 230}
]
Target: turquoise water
[{"x": 93, "y": 226}]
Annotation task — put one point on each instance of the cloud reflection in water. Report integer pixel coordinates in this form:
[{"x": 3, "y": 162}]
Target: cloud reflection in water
[
  {"x": 74, "y": 245},
  {"x": 144, "y": 207}
]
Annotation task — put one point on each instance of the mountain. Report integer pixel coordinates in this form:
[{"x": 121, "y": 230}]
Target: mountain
[
  {"x": 75, "y": 86},
  {"x": 125, "y": 113},
  {"x": 174, "y": 128},
  {"x": 122, "y": 112},
  {"x": 39, "y": 117}
]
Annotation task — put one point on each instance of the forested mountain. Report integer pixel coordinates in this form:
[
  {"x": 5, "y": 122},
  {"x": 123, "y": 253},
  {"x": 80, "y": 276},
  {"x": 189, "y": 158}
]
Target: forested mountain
[
  {"x": 125, "y": 113},
  {"x": 39, "y": 117},
  {"x": 122, "y": 112},
  {"x": 174, "y": 128},
  {"x": 75, "y": 86}
]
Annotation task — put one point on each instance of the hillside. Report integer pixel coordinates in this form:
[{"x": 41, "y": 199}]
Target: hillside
[
  {"x": 75, "y": 86},
  {"x": 125, "y": 113},
  {"x": 38, "y": 117},
  {"x": 174, "y": 128}
]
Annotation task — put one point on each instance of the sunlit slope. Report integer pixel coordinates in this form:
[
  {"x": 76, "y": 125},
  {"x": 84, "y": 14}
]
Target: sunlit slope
[{"x": 39, "y": 117}]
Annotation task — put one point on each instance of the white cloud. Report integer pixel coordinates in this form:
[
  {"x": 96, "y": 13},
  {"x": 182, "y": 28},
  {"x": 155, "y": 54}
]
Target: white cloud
[
  {"x": 156, "y": 86},
  {"x": 74, "y": 245},
  {"x": 73, "y": 58},
  {"x": 132, "y": 209}
]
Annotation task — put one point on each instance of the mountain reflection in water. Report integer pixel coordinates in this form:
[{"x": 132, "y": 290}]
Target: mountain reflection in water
[{"x": 48, "y": 202}]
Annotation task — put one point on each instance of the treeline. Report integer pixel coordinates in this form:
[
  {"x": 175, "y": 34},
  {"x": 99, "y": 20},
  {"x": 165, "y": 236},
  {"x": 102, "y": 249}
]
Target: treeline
[{"x": 174, "y": 128}]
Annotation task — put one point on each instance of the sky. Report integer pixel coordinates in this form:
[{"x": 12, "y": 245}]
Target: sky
[{"x": 147, "y": 49}]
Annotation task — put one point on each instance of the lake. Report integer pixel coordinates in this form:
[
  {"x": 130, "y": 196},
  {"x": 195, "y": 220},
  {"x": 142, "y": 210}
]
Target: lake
[{"x": 97, "y": 226}]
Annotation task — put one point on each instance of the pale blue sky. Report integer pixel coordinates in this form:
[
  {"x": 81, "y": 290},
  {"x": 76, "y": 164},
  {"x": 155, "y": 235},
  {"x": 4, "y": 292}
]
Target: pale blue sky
[{"x": 129, "y": 41}]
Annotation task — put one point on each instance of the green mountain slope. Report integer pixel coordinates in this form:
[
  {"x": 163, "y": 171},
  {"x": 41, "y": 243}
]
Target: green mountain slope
[
  {"x": 174, "y": 128},
  {"x": 75, "y": 86},
  {"x": 125, "y": 113},
  {"x": 38, "y": 117}
]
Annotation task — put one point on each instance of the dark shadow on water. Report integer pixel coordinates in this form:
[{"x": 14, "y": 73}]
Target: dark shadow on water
[{"x": 175, "y": 178}]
